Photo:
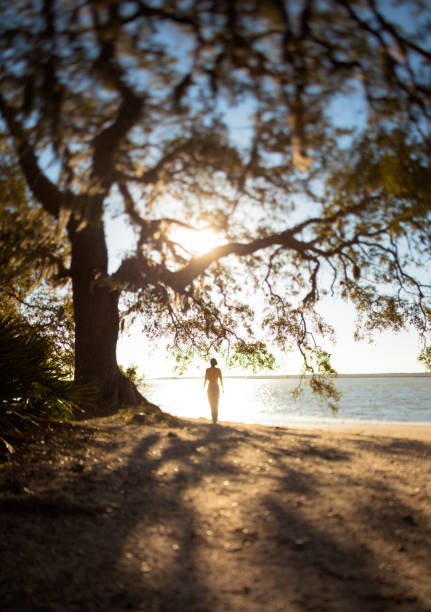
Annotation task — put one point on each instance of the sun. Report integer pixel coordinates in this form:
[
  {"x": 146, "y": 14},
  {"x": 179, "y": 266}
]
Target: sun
[{"x": 196, "y": 241}]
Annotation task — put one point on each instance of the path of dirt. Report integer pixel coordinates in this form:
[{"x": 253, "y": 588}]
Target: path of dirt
[{"x": 114, "y": 516}]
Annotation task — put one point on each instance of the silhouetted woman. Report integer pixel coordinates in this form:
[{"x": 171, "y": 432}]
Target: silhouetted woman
[{"x": 212, "y": 376}]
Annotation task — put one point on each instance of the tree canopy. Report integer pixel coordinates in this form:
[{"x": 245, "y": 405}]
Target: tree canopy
[{"x": 228, "y": 115}]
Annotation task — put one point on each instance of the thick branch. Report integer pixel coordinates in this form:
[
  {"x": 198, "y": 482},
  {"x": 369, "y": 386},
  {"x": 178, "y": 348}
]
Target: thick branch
[
  {"x": 308, "y": 249},
  {"x": 106, "y": 143},
  {"x": 42, "y": 188},
  {"x": 140, "y": 272},
  {"x": 182, "y": 278}
]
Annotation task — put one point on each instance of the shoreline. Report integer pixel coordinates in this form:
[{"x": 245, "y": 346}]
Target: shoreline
[
  {"x": 379, "y": 404},
  {"x": 298, "y": 376},
  {"x": 410, "y": 431}
]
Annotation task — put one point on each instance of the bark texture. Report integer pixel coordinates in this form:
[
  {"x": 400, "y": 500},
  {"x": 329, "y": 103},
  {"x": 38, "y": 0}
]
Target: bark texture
[{"x": 97, "y": 323}]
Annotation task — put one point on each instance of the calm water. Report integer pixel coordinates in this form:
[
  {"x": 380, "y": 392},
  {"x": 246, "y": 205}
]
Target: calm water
[{"x": 270, "y": 401}]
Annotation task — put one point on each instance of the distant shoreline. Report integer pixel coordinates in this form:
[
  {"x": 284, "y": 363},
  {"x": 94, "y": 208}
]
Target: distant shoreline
[{"x": 297, "y": 376}]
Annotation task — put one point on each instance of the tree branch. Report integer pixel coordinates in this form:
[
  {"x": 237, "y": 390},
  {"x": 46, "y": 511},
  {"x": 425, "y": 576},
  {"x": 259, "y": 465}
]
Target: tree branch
[
  {"x": 42, "y": 188},
  {"x": 184, "y": 277},
  {"x": 106, "y": 143}
]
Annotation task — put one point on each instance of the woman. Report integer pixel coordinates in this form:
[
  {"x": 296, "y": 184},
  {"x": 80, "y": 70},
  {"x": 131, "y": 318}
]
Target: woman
[{"x": 212, "y": 376}]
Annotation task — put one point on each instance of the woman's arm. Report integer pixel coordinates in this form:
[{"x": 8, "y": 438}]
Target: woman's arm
[{"x": 221, "y": 380}]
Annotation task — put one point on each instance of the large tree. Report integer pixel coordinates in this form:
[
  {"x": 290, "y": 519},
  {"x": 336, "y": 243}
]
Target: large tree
[{"x": 133, "y": 108}]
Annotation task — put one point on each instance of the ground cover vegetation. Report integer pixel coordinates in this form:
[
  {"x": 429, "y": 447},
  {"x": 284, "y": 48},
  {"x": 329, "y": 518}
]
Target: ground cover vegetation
[{"x": 221, "y": 116}]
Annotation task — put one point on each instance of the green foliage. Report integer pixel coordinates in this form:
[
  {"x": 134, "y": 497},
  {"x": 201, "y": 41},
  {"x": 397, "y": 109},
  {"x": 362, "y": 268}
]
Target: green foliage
[
  {"x": 318, "y": 368},
  {"x": 425, "y": 358},
  {"x": 32, "y": 255},
  {"x": 251, "y": 355},
  {"x": 33, "y": 385},
  {"x": 132, "y": 374},
  {"x": 31, "y": 249},
  {"x": 50, "y": 312}
]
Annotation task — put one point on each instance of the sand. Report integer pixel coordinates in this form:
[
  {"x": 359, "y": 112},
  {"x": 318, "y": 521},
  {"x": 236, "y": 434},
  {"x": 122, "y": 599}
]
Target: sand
[
  {"x": 416, "y": 431},
  {"x": 186, "y": 516}
]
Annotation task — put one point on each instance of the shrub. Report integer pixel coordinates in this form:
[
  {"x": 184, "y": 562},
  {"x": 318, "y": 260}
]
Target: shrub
[
  {"x": 132, "y": 374},
  {"x": 33, "y": 386}
]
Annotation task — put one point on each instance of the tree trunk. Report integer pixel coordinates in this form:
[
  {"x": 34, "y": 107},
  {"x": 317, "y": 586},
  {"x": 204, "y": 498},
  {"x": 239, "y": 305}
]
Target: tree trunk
[{"x": 97, "y": 324}]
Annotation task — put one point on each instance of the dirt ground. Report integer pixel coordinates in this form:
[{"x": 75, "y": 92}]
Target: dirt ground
[{"x": 112, "y": 515}]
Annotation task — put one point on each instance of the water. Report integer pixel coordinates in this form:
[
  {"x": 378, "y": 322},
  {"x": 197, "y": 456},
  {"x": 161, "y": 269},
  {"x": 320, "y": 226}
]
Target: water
[{"x": 270, "y": 402}]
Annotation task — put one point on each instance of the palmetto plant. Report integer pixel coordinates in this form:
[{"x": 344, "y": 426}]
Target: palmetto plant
[{"x": 33, "y": 386}]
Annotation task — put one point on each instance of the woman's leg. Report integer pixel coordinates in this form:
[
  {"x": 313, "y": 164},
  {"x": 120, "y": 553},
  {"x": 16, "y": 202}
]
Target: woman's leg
[{"x": 213, "y": 398}]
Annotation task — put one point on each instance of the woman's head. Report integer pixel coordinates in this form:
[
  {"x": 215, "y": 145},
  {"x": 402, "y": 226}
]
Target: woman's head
[{"x": 213, "y": 362}]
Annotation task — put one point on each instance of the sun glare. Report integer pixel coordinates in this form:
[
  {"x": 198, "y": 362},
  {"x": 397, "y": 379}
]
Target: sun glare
[{"x": 197, "y": 242}]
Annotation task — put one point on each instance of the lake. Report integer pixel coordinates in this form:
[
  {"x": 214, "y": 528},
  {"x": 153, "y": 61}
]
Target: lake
[{"x": 269, "y": 401}]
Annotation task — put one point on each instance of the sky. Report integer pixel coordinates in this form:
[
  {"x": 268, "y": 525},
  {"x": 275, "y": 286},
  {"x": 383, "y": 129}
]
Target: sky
[{"x": 389, "y": 351}]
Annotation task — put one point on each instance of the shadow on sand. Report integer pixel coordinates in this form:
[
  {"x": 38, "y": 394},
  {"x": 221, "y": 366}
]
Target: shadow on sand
[{"x": 219, "y": 518}]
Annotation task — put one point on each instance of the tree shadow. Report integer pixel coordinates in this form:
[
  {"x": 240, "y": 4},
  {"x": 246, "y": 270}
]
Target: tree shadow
[
  {"x": 75, "y": 561},
  {"x": 337, "y": 564},
  {"x": 149, "y": 546},
  {"x": 395, "y": 446}
]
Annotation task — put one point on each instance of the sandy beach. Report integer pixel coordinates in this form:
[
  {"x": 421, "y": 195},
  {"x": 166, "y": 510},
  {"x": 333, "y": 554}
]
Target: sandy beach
[
  {"x": 115, "y": 514},
  {"x": 408, "y": 431}
]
